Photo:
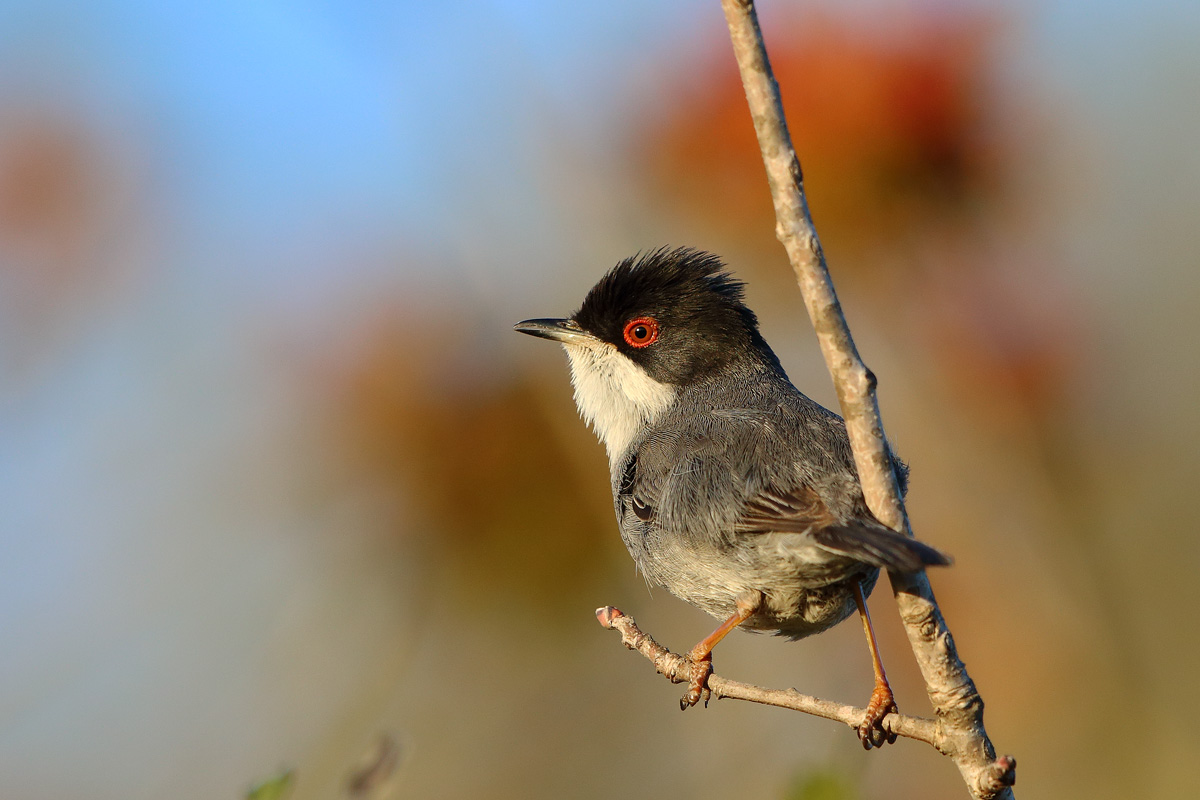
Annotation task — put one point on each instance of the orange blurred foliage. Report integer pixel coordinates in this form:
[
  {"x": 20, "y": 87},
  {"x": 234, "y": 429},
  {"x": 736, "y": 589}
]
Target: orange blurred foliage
[
  {"x": 50, "y": 198},
  {"x": 68, "y": 227},
  {"x": 889, "y": 128},
  {"x": 475, "y": 459},
  {"x": 907, "y": 164}
]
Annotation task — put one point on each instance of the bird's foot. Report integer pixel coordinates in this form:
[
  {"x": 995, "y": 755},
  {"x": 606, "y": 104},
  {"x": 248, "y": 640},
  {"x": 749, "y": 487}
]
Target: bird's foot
[
  {"x": 698, "y": 689},
  {"x": 699, "y": 658},
  {"x": 871, "y": 732}
]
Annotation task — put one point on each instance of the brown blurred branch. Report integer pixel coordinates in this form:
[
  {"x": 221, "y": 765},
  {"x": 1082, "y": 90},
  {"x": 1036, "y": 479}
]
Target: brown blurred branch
[{"x": 955, "y": 700}]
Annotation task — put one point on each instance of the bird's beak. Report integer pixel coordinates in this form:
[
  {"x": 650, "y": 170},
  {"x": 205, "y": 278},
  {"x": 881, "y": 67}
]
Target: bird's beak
[{"x": 566, "y": 331}]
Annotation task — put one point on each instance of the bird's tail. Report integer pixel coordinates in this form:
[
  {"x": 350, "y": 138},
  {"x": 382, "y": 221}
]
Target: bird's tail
[{"x": 880, "y": 547}]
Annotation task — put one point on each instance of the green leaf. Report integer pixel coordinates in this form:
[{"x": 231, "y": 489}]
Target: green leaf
[
  {"x": 822, "y": 784},
  {"x": 276, "y": 787}
]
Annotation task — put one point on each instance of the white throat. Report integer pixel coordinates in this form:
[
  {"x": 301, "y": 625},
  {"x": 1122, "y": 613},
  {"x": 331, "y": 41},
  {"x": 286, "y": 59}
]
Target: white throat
[{"x": 614, "y": 395}]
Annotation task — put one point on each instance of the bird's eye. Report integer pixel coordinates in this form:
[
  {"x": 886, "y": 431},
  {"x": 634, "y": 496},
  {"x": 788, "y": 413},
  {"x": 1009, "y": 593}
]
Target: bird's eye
[{"x": 641, "y": 332}]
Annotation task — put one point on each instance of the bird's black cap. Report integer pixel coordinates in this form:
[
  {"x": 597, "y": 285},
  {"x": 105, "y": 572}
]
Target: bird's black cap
[{"x": 703, "y": 323}]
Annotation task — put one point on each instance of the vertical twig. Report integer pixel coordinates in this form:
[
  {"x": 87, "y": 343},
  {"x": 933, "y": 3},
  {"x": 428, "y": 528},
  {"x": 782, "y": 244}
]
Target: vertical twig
[{"x": 955, "y": 700}]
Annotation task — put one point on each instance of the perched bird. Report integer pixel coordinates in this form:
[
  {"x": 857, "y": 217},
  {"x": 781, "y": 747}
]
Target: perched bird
[{"x": 732, "y": 489}]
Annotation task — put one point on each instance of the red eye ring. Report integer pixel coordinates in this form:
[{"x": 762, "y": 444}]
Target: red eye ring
[{"x": 641, "y": 332}]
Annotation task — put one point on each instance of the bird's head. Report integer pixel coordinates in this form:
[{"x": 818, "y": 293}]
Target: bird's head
[{"x": 654, "y": 325}]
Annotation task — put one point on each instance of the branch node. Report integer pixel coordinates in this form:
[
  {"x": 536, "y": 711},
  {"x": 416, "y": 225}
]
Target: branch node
[
  {"x": 869, "y": 380},
  {"x": 998, "y": 776},
  {"x": 607, "y": 615}
]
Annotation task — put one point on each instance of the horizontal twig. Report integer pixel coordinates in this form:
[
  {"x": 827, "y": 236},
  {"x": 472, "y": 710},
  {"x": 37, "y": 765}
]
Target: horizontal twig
[{"x": 680, "y": 670}]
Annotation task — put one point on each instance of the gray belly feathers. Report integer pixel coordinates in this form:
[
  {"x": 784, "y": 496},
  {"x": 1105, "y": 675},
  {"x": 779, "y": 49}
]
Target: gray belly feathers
[{"x": 715, "y": 502}]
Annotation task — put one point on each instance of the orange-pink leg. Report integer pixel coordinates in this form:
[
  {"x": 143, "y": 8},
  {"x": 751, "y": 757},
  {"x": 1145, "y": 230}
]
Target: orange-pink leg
[
  {"x": 701, "y": 654},
  {"x": 871, "y": 732}
]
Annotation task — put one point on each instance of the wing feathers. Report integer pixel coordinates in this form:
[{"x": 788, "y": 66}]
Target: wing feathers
[{"x": 803, "y": 511}]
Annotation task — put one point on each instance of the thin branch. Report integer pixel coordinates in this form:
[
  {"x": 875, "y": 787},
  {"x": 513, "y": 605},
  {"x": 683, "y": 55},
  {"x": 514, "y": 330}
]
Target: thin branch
[
  {"x": 680, "y": 670},
  {"x": 954, "y": 697},
  {"x": 957, "y": 729}
]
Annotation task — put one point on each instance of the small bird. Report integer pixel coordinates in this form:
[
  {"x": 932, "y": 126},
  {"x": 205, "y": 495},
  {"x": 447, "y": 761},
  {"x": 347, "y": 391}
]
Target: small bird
[{"x": 732, "y": 489}]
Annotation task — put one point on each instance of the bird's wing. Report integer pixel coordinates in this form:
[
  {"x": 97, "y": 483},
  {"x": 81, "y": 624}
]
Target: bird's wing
[
  {"x": 802, "y": 511},
  {"x": 735, "y": 473}
]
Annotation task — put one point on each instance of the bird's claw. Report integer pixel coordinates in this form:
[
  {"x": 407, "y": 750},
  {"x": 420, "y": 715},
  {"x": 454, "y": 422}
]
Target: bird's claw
[
  {"x": 871, "y": 732},
  {"x": 698, "y": 684}
]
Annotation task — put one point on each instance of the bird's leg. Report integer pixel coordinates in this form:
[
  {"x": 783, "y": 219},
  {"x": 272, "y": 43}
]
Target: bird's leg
[
  {"x": 701, "y": 654},
  {"x": 871, "y": 732}
]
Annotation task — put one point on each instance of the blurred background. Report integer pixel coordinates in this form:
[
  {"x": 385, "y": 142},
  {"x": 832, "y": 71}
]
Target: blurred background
[{"x": 281, "y": 494}]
